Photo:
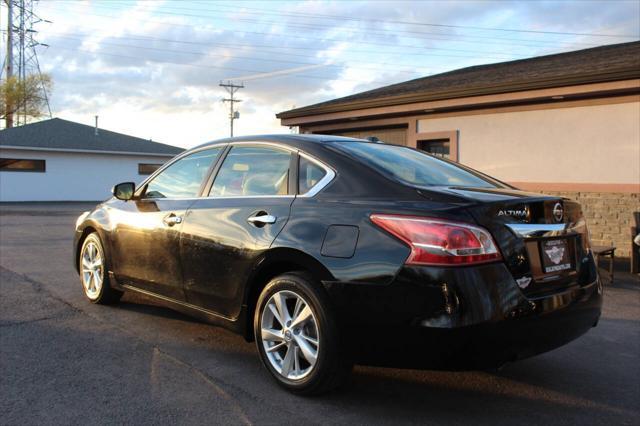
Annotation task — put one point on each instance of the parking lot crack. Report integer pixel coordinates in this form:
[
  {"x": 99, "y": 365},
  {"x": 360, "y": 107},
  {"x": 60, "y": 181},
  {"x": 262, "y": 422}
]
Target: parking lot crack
[
  {"x": 211, "y": 382},
  {"x": 38, "y": 287}
]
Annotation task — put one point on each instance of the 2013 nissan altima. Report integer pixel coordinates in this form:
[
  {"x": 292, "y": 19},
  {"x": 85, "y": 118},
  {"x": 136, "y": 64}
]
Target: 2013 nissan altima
[{"x": 330, "y": 251}]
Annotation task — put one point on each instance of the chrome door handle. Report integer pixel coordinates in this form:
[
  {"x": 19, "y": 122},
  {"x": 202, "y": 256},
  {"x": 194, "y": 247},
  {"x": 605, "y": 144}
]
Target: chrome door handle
[
  {"x": 172, "y": 220},
  {"x": 262, "y": 220}
]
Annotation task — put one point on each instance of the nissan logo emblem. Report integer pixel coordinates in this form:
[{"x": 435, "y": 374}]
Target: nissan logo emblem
[{"x": 558, "y": 212}]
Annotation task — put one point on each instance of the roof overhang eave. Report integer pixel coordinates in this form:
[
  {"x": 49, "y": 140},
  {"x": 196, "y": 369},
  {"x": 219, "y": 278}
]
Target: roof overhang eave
[{"x": 618, "y": 75}]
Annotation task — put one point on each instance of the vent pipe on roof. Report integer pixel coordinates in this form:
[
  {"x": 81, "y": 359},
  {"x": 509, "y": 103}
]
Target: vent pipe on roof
[{"x": 96, "y": 128}]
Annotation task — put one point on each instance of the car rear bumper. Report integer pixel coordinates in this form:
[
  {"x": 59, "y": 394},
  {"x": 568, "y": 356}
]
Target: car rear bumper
[{"x": 465, "y": 318}]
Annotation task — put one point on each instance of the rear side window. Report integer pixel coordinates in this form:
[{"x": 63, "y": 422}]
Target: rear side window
[
  {"x": 309, "y": 174},
  {"x": 414, "y": 167},
  {"x": 253, "y": 171},
  {"x": 183, "y": 178}
]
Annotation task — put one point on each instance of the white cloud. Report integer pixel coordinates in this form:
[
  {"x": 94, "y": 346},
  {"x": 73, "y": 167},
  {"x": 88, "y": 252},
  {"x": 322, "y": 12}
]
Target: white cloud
[{"x": 152, "y": 68}]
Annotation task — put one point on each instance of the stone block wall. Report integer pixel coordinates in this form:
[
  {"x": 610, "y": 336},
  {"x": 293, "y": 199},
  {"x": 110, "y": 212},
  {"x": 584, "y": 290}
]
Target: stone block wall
[{"x": 609, "y": 217}]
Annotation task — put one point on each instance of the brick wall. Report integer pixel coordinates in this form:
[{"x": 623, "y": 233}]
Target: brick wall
[{"x": 609, "y": 217}]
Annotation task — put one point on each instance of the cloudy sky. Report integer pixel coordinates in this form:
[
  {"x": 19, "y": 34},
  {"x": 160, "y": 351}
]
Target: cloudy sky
[{"x": 152, "y": 68}]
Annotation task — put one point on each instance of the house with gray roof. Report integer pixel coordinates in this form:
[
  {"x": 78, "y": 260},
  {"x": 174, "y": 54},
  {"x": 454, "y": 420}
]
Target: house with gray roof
[{"x": 60, "y": 160}]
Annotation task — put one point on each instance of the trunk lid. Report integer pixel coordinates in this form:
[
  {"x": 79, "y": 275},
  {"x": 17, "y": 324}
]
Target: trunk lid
[{"x": 543, "y": 239}]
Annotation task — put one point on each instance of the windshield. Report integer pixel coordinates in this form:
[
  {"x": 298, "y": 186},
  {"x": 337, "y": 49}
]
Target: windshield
[{"x": 414, "y": 167}]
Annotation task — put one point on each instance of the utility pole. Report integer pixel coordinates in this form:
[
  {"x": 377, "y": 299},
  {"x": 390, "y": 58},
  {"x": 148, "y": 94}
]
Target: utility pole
[
  {"x": 232, "y": 89},
  {"x": 21, "y": 54},
  {"x": 8, "y": 113}
]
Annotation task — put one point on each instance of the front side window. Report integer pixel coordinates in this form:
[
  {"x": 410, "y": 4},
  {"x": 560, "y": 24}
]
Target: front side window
[
  {"x": 253, "y": 171},
  {"x": 183, "y": 178},
  {"x": 309, "y": 174},
  {"x": 414, "y": 167},
  {"x": 21, "y": 165}
]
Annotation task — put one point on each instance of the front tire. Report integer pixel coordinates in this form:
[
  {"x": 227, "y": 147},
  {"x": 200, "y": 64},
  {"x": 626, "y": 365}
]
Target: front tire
[
  {"x": 93, "y": 272},
  {"x": 297, "y": 336}
]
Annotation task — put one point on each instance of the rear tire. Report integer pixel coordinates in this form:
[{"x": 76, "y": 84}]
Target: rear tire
[
  {"x": 298, "y": 336},
  {"x": 93, "y": 272}
]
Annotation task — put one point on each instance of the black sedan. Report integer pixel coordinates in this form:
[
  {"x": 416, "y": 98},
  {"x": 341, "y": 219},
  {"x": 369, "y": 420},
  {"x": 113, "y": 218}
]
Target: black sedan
[{"x": 329, "y": 251}]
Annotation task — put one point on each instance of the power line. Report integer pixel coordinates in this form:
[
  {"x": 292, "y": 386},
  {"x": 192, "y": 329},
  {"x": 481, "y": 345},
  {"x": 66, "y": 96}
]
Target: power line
[
  {"x": 350, "y": 18},
  {"x": 394, "y": 45},
  {"x": 345, "y": 64},
  {"x": 268, "y": 73},
  {"x": 314, "y": 49},
  {"x": 249, "y": 58},
  {"x": 272, "y": 73},
  {"x": 270, "y": 34},
  {"x": 243, "y": 70},
  {"x": 447, "y": 36},
  {"x": 423, "y": 24}
]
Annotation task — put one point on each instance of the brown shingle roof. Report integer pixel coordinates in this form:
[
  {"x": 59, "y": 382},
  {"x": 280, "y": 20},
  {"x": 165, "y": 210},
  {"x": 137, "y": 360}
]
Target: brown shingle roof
[{"x": 595, "y": 65}]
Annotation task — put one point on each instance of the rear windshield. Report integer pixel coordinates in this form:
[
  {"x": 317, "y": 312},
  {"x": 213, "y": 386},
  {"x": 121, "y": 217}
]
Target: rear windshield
[{"x": 414, "y": 167}]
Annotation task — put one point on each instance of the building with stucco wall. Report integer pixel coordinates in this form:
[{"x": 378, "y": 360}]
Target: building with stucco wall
[
  {"x": 59, "y": 160},
  {"x": 564, "y": 124}
]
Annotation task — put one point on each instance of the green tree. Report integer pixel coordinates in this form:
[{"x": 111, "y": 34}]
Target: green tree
[{"x": 26, "y": 97}]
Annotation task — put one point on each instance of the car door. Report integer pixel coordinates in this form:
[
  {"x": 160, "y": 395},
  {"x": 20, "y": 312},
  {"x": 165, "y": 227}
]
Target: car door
[
  {"x": 147, "y": 229},
  {"x": 224, "y": 234}
]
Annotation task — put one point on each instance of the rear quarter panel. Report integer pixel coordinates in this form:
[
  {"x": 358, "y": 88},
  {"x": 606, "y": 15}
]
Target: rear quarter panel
[{"x": 378, "y": 256}]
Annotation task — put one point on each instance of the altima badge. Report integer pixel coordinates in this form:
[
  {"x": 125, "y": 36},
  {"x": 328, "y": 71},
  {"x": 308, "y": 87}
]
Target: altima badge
[
  {"x": 517, "y": 213},
  {"x": 523, "y": 282}
]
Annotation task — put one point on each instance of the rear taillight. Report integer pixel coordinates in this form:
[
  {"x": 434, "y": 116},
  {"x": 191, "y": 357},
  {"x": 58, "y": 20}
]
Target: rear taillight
[{"x": 440, "y": 242}]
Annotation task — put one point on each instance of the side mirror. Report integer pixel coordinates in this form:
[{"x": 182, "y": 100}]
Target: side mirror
[{"x": 124, "y": 191}]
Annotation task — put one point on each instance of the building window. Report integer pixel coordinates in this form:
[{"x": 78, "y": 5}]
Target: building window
[
  {"x": 390, "y": 135},
  {"x": 437, "y": 147},
  {"x": 147, "y": 168},
  {"x": 443, "y": 144},
  {"x": 22, "y": 165}
]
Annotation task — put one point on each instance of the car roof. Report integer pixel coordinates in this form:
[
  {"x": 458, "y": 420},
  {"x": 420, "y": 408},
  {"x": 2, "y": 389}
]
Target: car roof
[{"x": 287, "y": 139}]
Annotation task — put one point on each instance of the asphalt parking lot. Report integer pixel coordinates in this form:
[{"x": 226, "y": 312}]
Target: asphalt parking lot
[{"x": 66, "y": 361}]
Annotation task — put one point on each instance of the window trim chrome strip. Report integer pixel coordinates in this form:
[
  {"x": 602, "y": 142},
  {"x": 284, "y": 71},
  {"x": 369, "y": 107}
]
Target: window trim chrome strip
[
  {"x": 239, "y": 197},
  {"x": 330, "y": 174},
  {"x": 274, "y": 144},
  {"x": 218, "y": 198},
  {"x": 326, "y": 179}
]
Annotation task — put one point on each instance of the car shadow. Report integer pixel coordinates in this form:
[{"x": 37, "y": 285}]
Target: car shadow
[
  {"x": 516, "y": 396},
  {"x": 590, "y": 375}
]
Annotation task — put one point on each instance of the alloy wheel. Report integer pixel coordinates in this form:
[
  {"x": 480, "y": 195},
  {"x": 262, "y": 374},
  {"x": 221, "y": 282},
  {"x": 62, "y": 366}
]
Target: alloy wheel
[
  {"x": 92, "y": 269},
  {"x": 290, "y": 335}
]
